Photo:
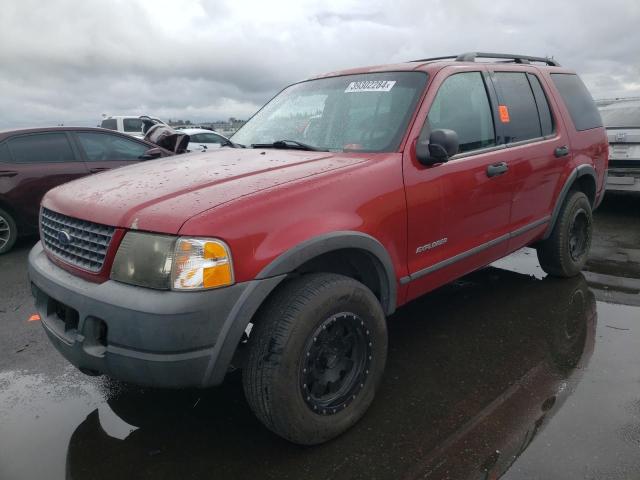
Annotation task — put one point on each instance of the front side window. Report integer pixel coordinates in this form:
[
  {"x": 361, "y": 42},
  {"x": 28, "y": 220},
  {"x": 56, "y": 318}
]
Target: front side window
[
  {"x": 132, "y": 125},
  {"x": 41, "y": 148},
  {"x": 105, "y": 147},
  {"x": 368, "y": 112},
  {"x": 516, "y": 94},
  {"x": 462, "y": 105}
]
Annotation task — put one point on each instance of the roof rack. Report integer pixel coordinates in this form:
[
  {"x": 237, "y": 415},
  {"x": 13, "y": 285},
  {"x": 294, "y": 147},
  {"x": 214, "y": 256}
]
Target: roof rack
[{"x": 471, "y": 57}]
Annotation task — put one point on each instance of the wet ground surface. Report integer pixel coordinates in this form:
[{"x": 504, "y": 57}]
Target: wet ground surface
[{"x": 504, "y": 373}]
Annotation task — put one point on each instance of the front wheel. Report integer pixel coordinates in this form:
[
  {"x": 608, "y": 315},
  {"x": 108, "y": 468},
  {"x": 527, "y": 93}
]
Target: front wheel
[
  {"x": 316, "y": 357},
  {"x": 565, "y": 252}
]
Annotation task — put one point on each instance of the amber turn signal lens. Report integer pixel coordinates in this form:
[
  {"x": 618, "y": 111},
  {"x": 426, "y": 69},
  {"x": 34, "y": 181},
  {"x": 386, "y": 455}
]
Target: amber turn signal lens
[{"x": 201, "y": 263}]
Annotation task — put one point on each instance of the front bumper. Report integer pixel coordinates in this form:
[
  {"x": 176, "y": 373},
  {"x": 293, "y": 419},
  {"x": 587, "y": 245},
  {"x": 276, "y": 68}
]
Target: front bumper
[{"x": 138, "y": 335}]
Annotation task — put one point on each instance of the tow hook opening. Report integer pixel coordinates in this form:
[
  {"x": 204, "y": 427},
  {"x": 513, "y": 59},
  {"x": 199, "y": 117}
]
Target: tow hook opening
[{"x": 96, "y": 334}]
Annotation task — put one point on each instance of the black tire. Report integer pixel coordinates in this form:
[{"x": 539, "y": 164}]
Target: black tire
[
  {"x": 318, "y": 333},
  {"x": 565, "y": 252},
  {"x": 8, "y": 232}
]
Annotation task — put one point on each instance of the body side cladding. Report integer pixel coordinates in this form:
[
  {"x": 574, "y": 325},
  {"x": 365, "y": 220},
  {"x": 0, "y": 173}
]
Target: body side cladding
[
  {"x": 234, "y": 326},
  {"x": 579, "y": 171},
  {"x": 314, "y": 247},
  {"x": 473, "y": 251}
]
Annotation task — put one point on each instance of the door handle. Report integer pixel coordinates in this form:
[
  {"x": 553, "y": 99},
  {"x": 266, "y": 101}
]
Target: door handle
[
  {"x": 8, "y": 173},
  {"x": 98, "y": 169},
  {"x": 562, "y": 151},
  {"x": 497, "y": 169}
]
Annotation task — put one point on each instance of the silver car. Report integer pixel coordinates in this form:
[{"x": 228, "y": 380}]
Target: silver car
[{"x": 622, "y": 120}]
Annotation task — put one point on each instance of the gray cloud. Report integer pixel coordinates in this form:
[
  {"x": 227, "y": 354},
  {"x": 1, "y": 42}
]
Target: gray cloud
[{"x": 70, "y": 61}]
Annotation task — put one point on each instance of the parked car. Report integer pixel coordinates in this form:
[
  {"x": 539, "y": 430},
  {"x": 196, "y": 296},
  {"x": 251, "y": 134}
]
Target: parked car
[
  {"x": 622, "y": 121},
  {"x": 130, "y": 125},
  {"x": 35, "y": 160},
  {"x": 201, "y": 139},
  {"x": 285, "y": 257}
]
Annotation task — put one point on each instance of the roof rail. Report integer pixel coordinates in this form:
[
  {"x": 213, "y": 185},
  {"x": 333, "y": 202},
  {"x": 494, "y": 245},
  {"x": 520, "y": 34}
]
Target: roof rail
[{"x": 471, "y": 57}]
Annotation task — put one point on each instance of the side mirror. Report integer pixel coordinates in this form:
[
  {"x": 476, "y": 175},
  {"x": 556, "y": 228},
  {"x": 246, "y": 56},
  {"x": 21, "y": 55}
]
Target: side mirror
[
  {"x": 442, "y": 144},
  {"x": 151, "y": 154}
]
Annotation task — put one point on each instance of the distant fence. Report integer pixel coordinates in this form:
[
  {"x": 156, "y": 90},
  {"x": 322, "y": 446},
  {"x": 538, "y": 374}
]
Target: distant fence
[{"x": 601, "y": 102}]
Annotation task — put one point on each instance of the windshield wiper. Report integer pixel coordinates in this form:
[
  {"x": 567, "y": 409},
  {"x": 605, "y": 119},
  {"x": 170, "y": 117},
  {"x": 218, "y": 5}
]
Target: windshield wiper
[{"x": 292, "y": 144}]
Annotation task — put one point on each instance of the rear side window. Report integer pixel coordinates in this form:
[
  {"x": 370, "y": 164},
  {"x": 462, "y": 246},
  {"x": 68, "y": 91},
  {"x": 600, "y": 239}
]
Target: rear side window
[
  {"x": 546, "y": 120},
  {"x": 132, "y": 125},
  {"x": 517, "y": 96},
  {"x": 110, "y": 123},
  {"x": 105, "y": 147},
  {"x": 577, "y": 98},
  {"x": 41, "y": 148},
  {"x": 462, "y": 105}
]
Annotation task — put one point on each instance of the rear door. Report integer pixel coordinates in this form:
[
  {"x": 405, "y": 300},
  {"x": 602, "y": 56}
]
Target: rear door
[
  {"x": 104, "y": 150},
  {"x": 538, "y": 150},
  {"x": 35, "y": 164},
  {"x": 458, "y": 212}
]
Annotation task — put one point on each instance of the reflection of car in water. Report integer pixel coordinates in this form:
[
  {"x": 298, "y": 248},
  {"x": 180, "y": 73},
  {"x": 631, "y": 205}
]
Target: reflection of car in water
[{"x": 473, "y": 384}]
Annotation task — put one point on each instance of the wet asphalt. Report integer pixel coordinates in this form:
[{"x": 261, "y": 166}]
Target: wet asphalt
[{"x": 504, "y": 373}]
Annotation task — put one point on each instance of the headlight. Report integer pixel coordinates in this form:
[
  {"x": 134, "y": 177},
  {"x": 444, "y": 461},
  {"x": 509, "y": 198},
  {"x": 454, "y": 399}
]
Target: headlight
[
  {"x": 201, "y": 263},
  {"x": 144, "y": 259},
  {"x": 166, "y": 262}
]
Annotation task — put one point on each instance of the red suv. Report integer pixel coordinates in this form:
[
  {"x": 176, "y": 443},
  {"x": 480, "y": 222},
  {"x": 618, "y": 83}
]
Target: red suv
[
  {"x": 345, "y": 197},
  {"x": 34, "y": 160}
]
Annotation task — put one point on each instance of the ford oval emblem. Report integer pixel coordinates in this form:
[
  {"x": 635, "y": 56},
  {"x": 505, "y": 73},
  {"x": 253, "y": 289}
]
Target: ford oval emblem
[{"x": 64, "y": 237}]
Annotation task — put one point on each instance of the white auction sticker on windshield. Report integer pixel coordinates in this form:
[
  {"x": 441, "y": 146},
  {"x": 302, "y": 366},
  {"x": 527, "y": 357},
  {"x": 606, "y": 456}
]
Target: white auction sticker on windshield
[{"x": 370, "y": 86}]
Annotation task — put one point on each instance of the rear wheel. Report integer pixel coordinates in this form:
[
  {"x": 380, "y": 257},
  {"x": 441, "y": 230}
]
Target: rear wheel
[
  {"x": 316, "y": 358},
  {"x": 8, "y": 232},
  {"x": 565, "y": 252}
]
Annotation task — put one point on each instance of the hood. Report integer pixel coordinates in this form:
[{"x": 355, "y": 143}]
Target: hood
[{"x": 160, "y": 195}]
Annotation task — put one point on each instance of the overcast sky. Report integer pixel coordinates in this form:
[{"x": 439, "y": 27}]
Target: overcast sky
[{"x": 69, "y": 61}]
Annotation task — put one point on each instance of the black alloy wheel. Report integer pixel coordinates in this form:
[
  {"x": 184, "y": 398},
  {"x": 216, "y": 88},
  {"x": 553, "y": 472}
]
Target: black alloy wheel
[{"x": 335, "y": 363}]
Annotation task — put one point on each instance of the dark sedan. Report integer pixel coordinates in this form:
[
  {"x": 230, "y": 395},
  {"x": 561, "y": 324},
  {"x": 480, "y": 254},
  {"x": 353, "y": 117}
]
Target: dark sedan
[{"x": 34, "y": 160}]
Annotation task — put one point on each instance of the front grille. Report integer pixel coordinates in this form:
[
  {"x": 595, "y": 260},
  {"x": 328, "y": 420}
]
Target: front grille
[{"x": 89, "y": 241}]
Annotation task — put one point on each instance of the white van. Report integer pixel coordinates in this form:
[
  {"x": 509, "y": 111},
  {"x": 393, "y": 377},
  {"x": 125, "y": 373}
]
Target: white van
[{"x": 125, "y": 124}]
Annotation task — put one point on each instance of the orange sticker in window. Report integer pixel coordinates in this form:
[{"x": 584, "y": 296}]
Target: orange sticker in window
[{"x": 504, "y": 113}]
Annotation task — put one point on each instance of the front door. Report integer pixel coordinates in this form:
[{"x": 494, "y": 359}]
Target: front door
[{"x": 458, "y": 211}]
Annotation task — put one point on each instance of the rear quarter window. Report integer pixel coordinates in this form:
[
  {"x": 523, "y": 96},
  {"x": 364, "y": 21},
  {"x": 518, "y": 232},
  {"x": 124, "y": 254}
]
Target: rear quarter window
[
  {"x": 41, "y": 148},
  {"x": 577, "y": 98}
]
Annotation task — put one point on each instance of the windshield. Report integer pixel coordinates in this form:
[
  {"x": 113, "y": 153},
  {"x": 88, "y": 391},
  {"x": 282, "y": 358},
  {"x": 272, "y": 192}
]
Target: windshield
[
  {"x": 366, "y": 112},
  {"x": 621, "y": 116}
]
